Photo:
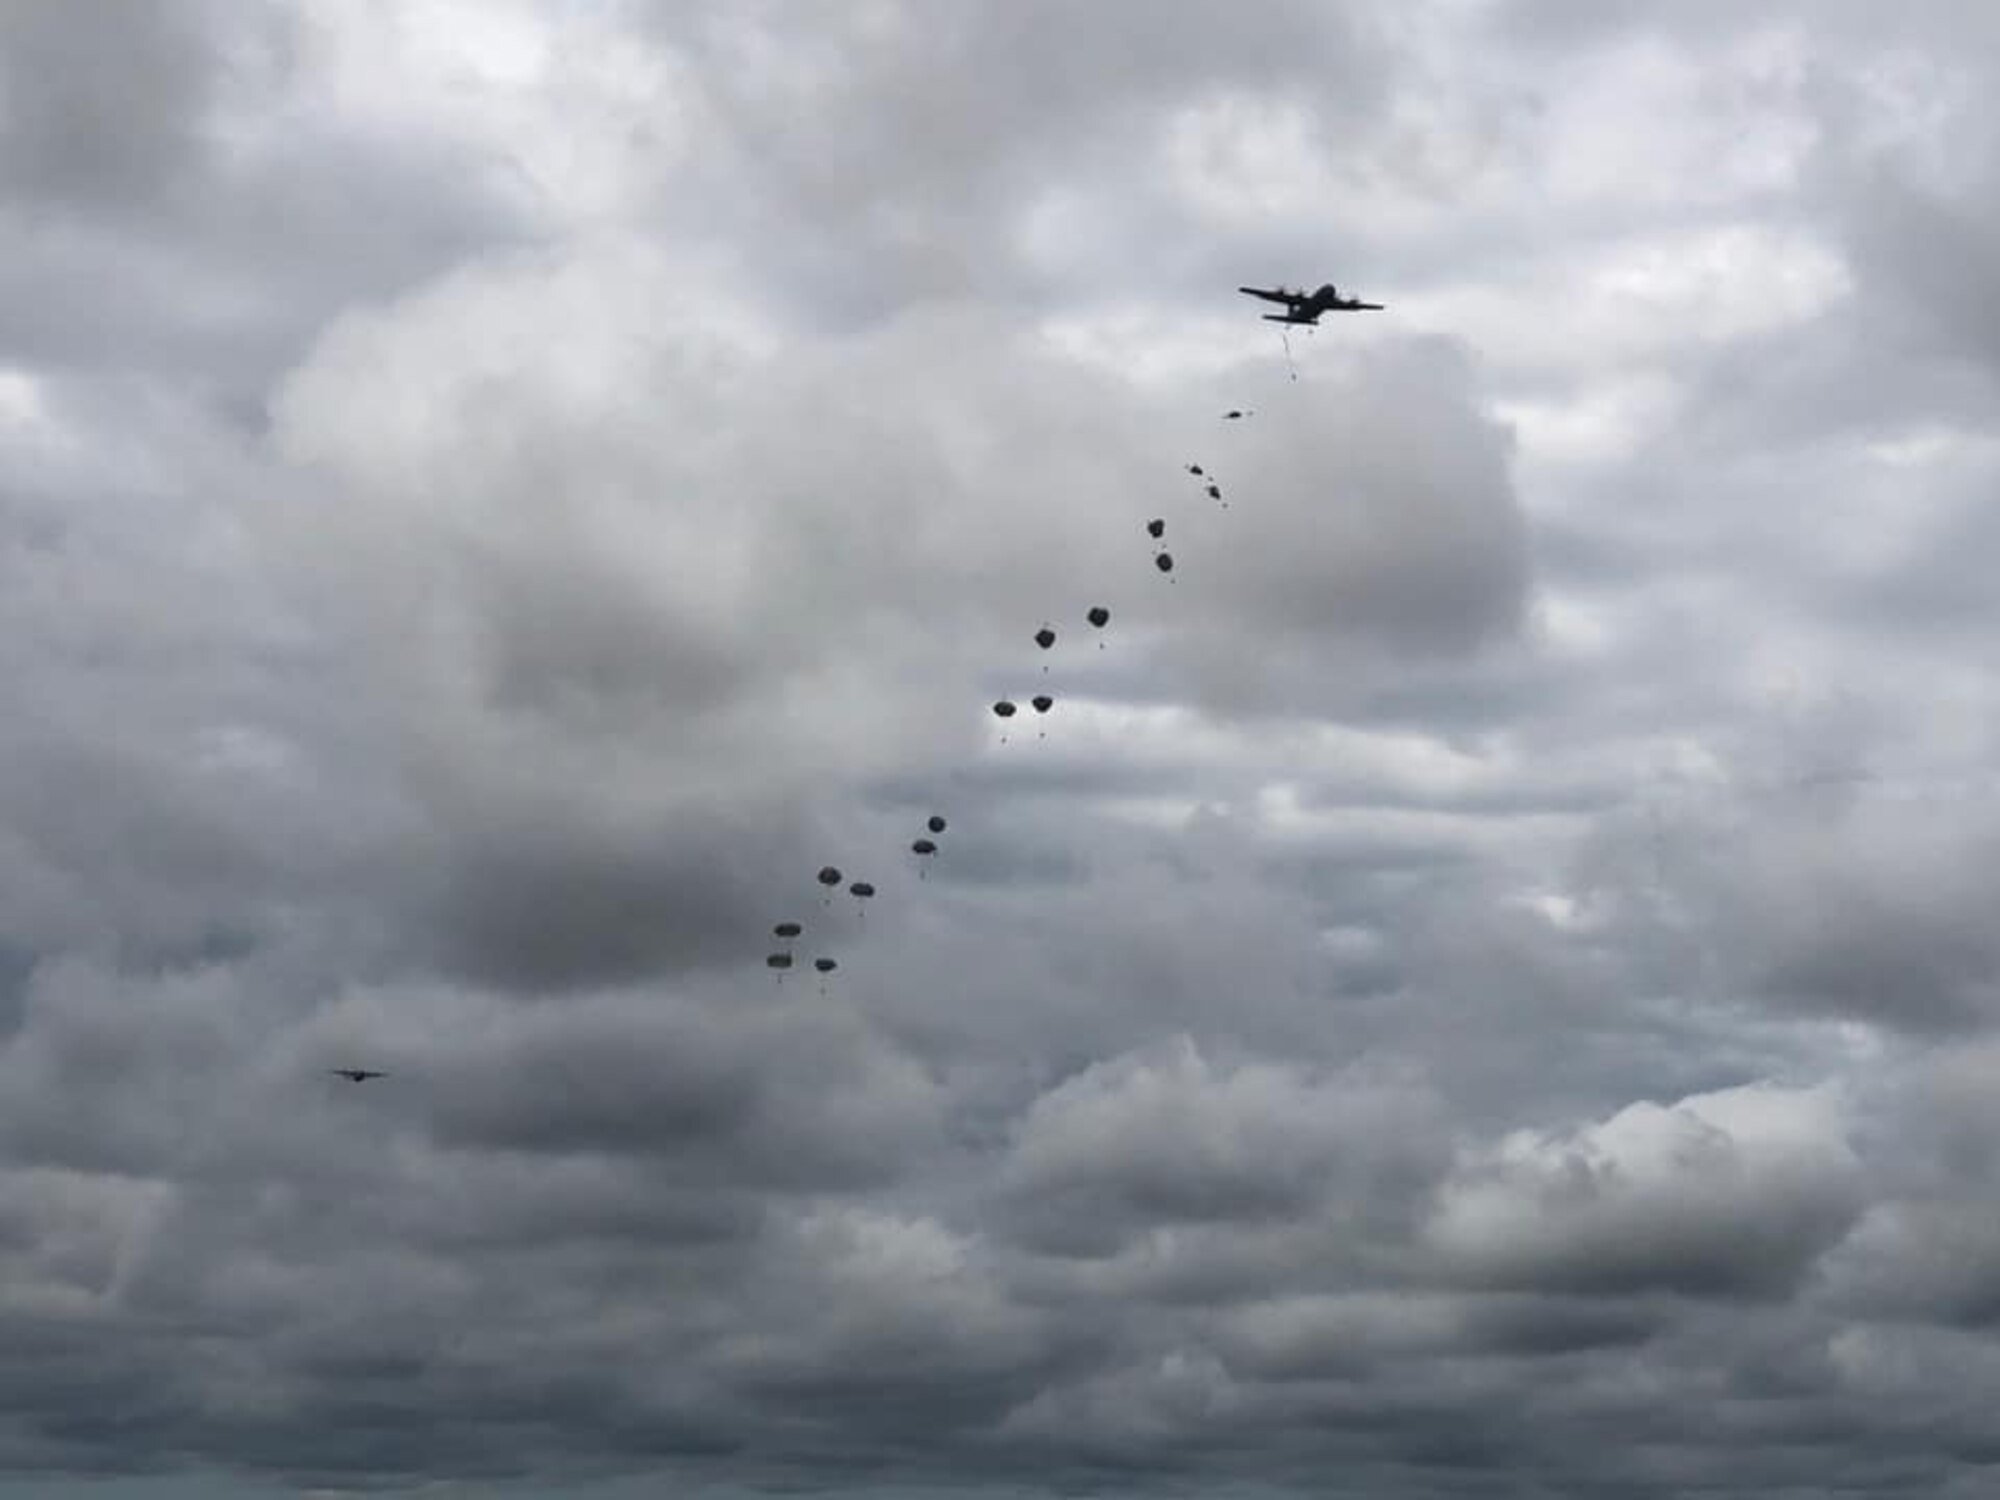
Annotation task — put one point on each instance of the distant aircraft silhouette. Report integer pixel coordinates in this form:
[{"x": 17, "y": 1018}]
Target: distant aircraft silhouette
[
  {"x": 356, "y": 1075},
  {"x": 1305, "y": 307}
]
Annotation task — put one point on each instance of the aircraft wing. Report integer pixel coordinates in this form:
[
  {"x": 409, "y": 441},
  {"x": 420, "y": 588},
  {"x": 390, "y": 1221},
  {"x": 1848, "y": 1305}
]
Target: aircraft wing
[
  {"x": 1290, "y": 299},
  {"x": 1361, "y": 307}
]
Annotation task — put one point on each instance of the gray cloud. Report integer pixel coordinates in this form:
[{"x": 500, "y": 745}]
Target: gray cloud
[
  {"x": 908, "y": 156},
  {"x": 1480, "y": 985},
  {"x": 89, "y": 124},
  {"x": 1655, "y": 1201}
]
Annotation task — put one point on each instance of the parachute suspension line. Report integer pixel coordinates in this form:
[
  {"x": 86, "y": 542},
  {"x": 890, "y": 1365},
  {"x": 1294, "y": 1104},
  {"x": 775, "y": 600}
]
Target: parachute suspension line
[{"x": 1286, "y": 339}]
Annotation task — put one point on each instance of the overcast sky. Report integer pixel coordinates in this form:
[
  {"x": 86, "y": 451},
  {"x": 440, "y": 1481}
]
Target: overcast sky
[{"x": 1485, "y": 983}]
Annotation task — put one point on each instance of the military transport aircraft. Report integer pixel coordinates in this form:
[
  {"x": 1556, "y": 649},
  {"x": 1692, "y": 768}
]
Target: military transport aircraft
[{"x": 1306, "y": 307}]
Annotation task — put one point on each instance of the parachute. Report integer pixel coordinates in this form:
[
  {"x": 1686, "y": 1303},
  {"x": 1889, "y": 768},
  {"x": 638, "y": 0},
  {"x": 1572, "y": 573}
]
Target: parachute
[
  {"x": 1045, "y": 637},
  {"x": 1156, "y": 528},
  {"x": 828, "y": 877},
  {"x": 1043, "y": 703},
  {"x": 779, "y": 960},
  {"x": 1210, "y": 485},
  {"x": 787, "y": 929},
  {"x": 935, "y": 823},
  {"x": 1004, "y": 709},
  {"x": 825, "y": 965},
  {"x": 923, "y": 846},
  {"x": 1164, "y": 562},
  {"x": 861, "y": 890}
]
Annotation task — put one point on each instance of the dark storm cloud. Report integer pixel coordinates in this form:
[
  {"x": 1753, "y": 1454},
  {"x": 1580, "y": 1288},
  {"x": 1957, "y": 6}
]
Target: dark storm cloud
[
  {"x": 1931, "y": 251},
  {"x": 1864, "y": 905},
  {"x": 154, "y": 1048},
  {"x": 1923, "y": 1254},
  {"x": 1345, "y": 1336},
  {"x": 560, "y": 905},
  {"x": 778, "y": 1099}
]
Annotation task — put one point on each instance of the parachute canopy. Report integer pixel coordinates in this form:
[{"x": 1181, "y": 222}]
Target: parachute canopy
[
  {"x": 923, "y": 846},
  {"x": 829, "y": 876},
  {"x": 862, "y": 889},
  {"x": 1099, "y": 616},
  {"x": 1164, "y": 562},
  {"x": 1045, "y": 637},
  {"x": 1043, "y": 703},
  {"x": 1004, "y": 709},
  {"x": 935, "y": 823},
  {"x": 788, "y": 929},
  {"x": 1156, "y": 528},
  {"x": 779, "y": 960},
  {"x": 825, "y": 965}
]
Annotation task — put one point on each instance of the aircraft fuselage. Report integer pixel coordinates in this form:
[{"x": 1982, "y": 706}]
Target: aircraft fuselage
[{"x": 1305, "y": 308}]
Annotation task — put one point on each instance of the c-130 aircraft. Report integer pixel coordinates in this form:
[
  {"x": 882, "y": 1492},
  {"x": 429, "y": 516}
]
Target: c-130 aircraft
[{"x": 1305, "y": 307}]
